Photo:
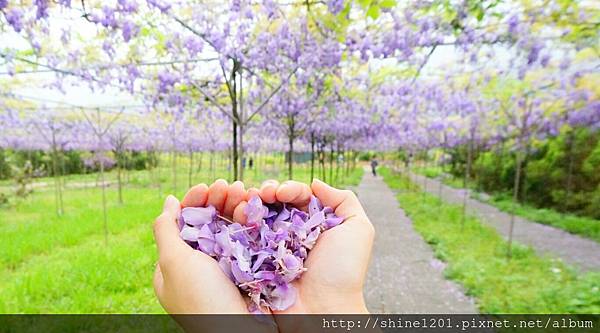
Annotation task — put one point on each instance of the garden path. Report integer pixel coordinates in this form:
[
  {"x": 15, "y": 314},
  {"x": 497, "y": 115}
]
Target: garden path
[{"x": 404, "y": 276}]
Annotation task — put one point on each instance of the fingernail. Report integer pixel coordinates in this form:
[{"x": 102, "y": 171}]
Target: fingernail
[{"x": 170, "y": 201}]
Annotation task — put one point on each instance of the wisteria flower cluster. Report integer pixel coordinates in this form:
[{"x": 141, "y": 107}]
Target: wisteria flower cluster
[{"x": 266, "y": 254}]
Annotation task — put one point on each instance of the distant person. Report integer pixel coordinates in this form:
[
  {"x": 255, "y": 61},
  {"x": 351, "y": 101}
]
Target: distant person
[
  {"x": 243, "y": 163},
  {"x": 250, "y": 163},
  {"x": 374, "y": 165}
]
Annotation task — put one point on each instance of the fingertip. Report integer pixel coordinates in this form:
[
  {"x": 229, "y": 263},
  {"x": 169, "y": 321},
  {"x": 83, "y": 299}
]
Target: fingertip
[
  {"x": 171, "y": 205},
  {"x": 196, "y": 196},
  {"x": 238, "y": 213},
  {"x": 221, "y": 182},
  {"x": 235, "y": 194},
  {"x": 267, "y": 191},
  {"x": 285, "y": 192},
  {"x": 252, "y": 192},
  {"x": 296, "y": 193},
  {"x": 328, "y": 195},
  {"x": 217, "y": 194}
]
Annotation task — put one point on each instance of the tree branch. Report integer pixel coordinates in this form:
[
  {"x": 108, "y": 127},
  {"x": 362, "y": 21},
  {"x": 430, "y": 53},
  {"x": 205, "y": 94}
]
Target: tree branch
[{"x": 262, "y": 105}]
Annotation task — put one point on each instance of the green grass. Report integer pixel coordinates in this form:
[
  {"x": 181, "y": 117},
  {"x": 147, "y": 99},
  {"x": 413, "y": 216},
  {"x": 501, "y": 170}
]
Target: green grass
[
  {"x": 579, "y": 225},
  {"x": 476, "y": 257},
  {"x": 61, "y": 264},
  {"x": 574, "y": 224}
]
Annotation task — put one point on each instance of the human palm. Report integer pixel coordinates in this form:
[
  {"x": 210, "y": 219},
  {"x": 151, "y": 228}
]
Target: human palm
[{"x": 188, "y": 281}]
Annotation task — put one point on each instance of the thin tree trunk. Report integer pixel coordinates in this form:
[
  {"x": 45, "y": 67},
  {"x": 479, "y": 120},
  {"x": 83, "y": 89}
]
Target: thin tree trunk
[
  {"x": 514, "y": 203},
  {"x": 234, "y": 151},
  {"x": 119, "y": 182},
  {"x": 174, "y": 170},
  {"x": 312, "y": 157},
  {"x": 466, "y": 183},
  {"x": 440, "y": 179},
  {"x": 569, "y": 184},
  {"x": 291, "y": 153},
  {"x": 104, "y": 214},
  {"x": 56, "y": 182},
  {"x": 158, "y": 175},
  {"x": 347, "y": 160},
  {"x": 191, "y": 168},
  {"x": 425, "y": 174},
  {"x": 331, "y": 164},
  {"x": 337, "y": 166},
  {"x": 241, "y": 155}
]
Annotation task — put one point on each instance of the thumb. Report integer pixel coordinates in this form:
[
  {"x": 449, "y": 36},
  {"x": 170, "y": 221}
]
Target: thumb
[
  {"x": 344, "y": 202},
  {"x": 166, "y": 232}
]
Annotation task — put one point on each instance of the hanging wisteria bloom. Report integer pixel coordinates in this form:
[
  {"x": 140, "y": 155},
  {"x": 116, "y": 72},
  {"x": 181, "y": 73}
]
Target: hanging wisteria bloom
[{"x": 266, "y": 254}]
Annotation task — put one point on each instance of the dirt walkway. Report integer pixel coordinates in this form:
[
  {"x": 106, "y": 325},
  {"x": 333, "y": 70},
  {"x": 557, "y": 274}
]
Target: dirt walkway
[
  {"x": 572, "y": 249},
  {"x": 404, "y": 276}
]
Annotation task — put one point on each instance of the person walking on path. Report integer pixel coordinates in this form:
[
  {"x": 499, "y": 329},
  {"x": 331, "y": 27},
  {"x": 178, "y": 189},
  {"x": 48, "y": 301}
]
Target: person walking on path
[{"x": 374, "y": 165}]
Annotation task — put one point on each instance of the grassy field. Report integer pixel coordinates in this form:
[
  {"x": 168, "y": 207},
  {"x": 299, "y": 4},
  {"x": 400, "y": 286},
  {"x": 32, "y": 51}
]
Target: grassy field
[
  {"x": 580, "y": 225},
  {"x": 476, "y": 257},
  {"x": 52, "y": 264}
]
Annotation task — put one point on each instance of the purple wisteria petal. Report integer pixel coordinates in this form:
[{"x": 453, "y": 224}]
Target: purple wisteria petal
[
  {"x": 314, "y": 206},
  {"x": 282, "y": 297},
  {"x": 198, "y": 215},
  {"x": 206, "y": 240},
  {"x": 331, "y": 222},
  {"x": 189, "y": 234},
  {"x": 255, "y": 211},
  {"x": 264, "y": 256}
]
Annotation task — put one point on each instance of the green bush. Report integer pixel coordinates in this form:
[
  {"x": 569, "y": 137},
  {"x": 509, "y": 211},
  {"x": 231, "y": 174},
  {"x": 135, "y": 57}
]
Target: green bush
[{"x": 545, "y": 171}]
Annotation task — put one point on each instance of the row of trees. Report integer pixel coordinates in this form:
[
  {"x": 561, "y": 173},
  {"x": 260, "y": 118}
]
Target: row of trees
[{"x": 327, "y": 78}]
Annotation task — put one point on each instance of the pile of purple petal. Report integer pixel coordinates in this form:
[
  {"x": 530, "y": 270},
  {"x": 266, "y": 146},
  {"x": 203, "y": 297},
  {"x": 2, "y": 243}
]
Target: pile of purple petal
[{"x": 266, "y": 254}]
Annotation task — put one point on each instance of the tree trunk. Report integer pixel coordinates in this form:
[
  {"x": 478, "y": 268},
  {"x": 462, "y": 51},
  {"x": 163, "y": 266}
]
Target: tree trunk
[
  {"x": 191, "y": 168},
  {"x": 241, "y": 155},
  {"x": 312, "y": 157},
  {"x": 425, "y": 174},
  {"x": 331, "y": 164},
  {"x": 158, "y": 173},
  {"x": 212, "y": 165},
  {"x": 514, "y": 204},
  {"x": 174, "y": 170},
  {"x": 119, "y": 182},
  {"x": 234, "y": 151},
  {"x": 56, "y": 183},
  {"x": 441, "y": 178},
  {"x": 104, "y": 202},
  {"x": 337, "y": 165},
  {"x": 466, "y": 182},
  {"x": 569, "y": 180},
  {"x": 290, "y": 153}
]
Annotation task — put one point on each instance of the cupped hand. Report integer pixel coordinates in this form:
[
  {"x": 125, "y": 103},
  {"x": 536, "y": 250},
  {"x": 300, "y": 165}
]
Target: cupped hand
[
  {"x": 189, "y": 281},
  {"x": 337, "y": 265}
]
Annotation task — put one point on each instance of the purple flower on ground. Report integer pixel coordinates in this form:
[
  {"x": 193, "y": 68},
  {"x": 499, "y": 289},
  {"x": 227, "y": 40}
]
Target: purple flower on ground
[{"x": 266, "y": 254}]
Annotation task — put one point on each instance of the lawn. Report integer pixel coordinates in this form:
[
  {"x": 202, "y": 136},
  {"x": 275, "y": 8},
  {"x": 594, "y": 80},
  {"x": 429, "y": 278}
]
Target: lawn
[
  {"x": 476, "y": 257},
  {"x": 61, "y": 264}
]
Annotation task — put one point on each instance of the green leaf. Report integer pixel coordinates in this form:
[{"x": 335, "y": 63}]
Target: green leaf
[
  {"x": 387, "y": 3},
  {"x": 373, "y": 12},
  {"x": 365, "y": 3}
]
